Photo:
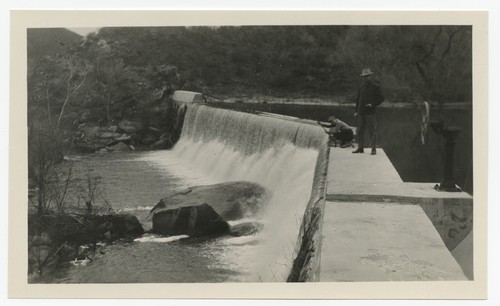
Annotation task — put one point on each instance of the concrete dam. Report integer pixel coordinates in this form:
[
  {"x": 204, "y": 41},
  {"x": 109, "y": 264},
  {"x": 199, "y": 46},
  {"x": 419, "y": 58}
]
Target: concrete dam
[{"x": 333, "y": 216}]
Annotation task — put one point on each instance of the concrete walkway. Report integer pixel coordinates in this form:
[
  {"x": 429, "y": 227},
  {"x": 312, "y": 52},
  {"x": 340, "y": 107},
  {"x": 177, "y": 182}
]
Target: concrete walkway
[{"x": 368, "y": 235}]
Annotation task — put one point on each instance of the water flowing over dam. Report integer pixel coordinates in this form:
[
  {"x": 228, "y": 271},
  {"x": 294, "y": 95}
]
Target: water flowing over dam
[{"x": 281, "y": 155}]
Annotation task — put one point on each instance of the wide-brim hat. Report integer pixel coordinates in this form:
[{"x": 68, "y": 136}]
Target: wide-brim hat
[{"x": 366, "y": 72}]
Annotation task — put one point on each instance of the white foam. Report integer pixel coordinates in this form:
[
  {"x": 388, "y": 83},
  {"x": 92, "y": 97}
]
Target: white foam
[
  {"x": 171, "y": 162},
  {"x": 243, "y": 240},
  {"x": 287, "y": 171},
  {"x": 155, "y": 238},
  {"x": 242, "y": 221},
  {"x": 80, "y": 263},
  {"x": 147, "y": 208}
]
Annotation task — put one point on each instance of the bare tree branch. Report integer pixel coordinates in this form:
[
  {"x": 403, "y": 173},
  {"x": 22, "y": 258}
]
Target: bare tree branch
[{"x": 72, "y": 66}]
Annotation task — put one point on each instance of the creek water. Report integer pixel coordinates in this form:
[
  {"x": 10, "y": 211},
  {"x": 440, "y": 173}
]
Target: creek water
[{"x": 215, "y": 146}]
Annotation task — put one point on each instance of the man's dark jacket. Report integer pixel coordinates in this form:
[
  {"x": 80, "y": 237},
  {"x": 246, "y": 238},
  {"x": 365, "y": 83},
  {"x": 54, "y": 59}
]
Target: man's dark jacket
[{"x": 369, "y": 93}]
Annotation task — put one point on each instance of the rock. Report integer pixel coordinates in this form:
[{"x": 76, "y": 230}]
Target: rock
[
  {"x": 160, "y": 144},
  {"x": 119, "y": 147},
  {"x": 113, "y": 128},
  {"x": 119, "y": 226},
  {"x": 41, "y": 240},
  {"x": 245, "y": 229},
  {"x": 156, "y": 130},
  {"x": 149, "y": 139},
  {"x": 131, "y": 225},
  {"x": 58, "y": 228},
  {"x": 84, "y": 116},
  {"x": 231, "y": 200},
  {"x": 129, "y": 126},
  {"x": 84, "y": 147},
  {"x": 103, "y": 150},
  {"x": 108, "y": 135},
  {"x": 83, "y": 230},
  {"x": 91, "y": 131},
  {"x": 195, "y": 221},
  {"x": 123, "y": 137},
  {"x": 118, "y": 138},
  {"x": 108, "y": 235}
]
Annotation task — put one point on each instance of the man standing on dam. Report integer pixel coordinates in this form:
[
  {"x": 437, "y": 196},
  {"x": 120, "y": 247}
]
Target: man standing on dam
[{"x": 369, "y": 97}]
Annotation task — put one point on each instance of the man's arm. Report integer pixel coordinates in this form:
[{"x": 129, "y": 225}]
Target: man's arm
[
  {"x": 378, "y": 96},
  {"x": 325, "y": 124},
  {"x": 357, "y": 103}
]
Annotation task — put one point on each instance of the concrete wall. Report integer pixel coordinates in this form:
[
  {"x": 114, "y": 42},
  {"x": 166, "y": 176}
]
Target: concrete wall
[
  {"x": 308, "y": 249},
  {"x": 453, "y": 220},
  {"x": 187, "y": 96}
]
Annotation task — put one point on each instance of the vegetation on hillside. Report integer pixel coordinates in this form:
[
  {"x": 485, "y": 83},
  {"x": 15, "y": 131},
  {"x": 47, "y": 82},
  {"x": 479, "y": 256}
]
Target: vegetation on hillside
[{"x": 120, "y": 72}]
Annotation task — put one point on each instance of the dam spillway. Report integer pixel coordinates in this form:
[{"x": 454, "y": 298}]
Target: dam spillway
[{"x": 285, "y": 156}]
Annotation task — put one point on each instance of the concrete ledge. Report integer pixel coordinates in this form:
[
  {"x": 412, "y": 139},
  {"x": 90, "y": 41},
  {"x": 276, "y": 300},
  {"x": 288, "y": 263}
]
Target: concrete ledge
[
  {"x": 357, "y": 173},
  {"x": 451, "y": 213},
  {"x": 187, "y": 96},
  {"x": 411, "y": 193},
  {"x": 361, "y": 186},
  {"x": 383, "y": 242}
]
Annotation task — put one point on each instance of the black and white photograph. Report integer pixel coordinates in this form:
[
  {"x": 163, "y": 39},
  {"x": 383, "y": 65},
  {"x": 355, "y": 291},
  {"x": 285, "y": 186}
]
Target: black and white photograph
[{"x": 251, "y": 153}]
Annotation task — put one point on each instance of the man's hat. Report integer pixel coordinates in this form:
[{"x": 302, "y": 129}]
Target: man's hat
[{"x": 366, "y": 72}]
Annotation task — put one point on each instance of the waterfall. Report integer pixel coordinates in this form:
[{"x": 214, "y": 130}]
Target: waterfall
[
  {"x": 281, "y": 155},
  {"x": 248, "y": 133}
]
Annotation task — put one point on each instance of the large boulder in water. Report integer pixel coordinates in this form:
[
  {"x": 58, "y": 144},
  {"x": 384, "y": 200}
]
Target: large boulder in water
[
  {"x": 231, "y": 200},
  {"x": 195, "y": 221},
  {"x": 120, "y": 226}
]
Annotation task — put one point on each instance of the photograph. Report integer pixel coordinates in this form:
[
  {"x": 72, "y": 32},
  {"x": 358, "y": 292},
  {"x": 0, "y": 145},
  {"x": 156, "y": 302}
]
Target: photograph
[{"x": 245, "y": 152}]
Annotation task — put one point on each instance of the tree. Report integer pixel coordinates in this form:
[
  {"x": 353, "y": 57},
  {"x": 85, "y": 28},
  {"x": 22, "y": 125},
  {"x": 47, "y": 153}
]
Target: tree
[
  {"x": 53, "y": 83},
  {"x": 76, "y": 71},
  {"x": 44, "y": 152},
  {"x": 432, "y": 62}
]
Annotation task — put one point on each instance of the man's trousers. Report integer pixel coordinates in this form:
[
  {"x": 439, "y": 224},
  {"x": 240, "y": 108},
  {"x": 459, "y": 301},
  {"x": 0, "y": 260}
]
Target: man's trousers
[{"x": 367, "y": 121}]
